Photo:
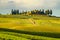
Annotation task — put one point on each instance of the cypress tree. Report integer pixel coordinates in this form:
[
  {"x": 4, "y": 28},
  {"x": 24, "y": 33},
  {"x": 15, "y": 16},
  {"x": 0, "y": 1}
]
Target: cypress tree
[
  {"x": 42, "y": 12},
  {"x": 12, "y": 11},
  {"x": 47, "y": 12},
  {"x": 17, "y": 11},
  {"x": 50, "y": 12}
]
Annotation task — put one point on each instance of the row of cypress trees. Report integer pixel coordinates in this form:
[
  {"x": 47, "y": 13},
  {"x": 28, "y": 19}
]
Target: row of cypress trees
[
  {"x": 40, "y": 12},
  {"x": 14, "y": 12}
]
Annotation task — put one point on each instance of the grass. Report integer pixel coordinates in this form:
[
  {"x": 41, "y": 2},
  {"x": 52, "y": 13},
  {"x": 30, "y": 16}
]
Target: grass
[
  {"x": 7, "y": 34},
  {"x": 37, "y": 27},
  {"x": 30, "y": 23}
]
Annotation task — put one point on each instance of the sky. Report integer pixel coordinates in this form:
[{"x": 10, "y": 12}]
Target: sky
[{"x": 23, "y": 5}]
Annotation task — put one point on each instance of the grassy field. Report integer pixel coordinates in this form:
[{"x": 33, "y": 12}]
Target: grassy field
[
  {"x": 8, "y": 34},
  {"x": 16, "y": 36},
  {"x": 35, "y": 23},
  {"x": 30, "y": 23}
]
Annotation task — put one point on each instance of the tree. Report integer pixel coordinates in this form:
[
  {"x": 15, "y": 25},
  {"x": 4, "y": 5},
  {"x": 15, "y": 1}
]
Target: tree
[
  {"x": 12, "y": 11},
  {"x": 42, "y": 12},
  {"x": 50, "y": 12},
  {"x": 47, "y": 12},
  {"x": 32, "y": 12},
  {"x": 17, "y": 11}
]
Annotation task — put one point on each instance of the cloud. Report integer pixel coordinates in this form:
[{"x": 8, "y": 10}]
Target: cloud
[
  {"x": 37, "y": 3},
  {"x": 29, "y": 4},
  {"x": 7, "y": 5}
]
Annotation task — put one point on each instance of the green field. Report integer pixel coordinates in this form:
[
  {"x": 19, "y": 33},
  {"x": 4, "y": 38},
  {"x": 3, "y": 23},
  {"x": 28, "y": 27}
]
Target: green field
[
  {"x": 16, "y": 36},
  {"x": 8, "y": 34},
  {"x": 37, "y": 23}
]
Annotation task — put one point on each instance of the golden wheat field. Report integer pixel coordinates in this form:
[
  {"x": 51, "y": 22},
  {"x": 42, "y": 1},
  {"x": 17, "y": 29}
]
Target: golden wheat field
[{"x": 30, "y": 23}]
